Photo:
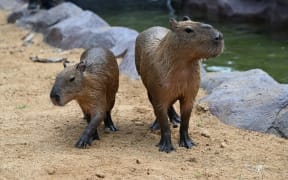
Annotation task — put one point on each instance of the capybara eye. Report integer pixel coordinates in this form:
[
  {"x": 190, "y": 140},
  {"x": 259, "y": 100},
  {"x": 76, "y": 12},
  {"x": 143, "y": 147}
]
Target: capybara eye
[
  {"x": 189, "y": 30},
  {"x": 72, "y": 79}
]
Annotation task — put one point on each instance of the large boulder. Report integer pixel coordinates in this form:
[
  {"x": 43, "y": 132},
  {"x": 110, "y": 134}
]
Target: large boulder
[
  {"x": 43, "y": 19},
  {"x": 250, "y": 100},
  {"x": 68, "y": 33},
  {"x": 120, "y": 40},
  {"x": 11, "y": 4}
]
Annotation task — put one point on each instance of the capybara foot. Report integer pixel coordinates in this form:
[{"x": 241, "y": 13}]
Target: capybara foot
[
  {"x": 175, "y": 120},
  {"x": 111, "y": 128},
  {"x": 165, "y": 145},
  {"x": 155, "y": 125},
  {"x": 109, "y": 125},
  {"x": 84, "y": 141},
  {"x": 173, "y": 117},
  {"x": 185, "y": 141}
]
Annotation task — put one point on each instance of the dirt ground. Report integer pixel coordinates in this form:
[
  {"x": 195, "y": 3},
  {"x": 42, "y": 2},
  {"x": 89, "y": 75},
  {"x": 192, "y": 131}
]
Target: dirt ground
[{"x": 37, "y": 138}]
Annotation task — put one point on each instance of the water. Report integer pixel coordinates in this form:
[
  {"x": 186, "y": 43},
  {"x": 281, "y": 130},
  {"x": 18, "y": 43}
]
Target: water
[{"x": 245, "y": 47}]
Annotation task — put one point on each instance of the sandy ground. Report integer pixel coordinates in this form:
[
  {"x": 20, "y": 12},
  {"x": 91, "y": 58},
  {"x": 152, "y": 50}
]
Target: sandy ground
[{"x": 37, "y": 139}]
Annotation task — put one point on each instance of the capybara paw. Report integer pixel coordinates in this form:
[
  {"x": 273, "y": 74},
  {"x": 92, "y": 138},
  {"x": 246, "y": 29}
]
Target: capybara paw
[
  {"x": 84, "y": 141},
  {"x": 175, "y": 120},
  {"x": 110, "y": 128},
  {"x": 186, "y": 142},
  {"x": 165, "y": 146},
  {"x": 155, "y": 126}
]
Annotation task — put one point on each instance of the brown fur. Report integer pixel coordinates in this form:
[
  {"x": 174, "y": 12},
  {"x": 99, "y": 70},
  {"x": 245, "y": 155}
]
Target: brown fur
[
  {"x": 93, "y": 83},
  {"x": 168, "y": 63}
]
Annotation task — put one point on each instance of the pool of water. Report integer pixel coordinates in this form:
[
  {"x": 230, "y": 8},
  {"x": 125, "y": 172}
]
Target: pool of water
[{"x": 245, "y": 47}]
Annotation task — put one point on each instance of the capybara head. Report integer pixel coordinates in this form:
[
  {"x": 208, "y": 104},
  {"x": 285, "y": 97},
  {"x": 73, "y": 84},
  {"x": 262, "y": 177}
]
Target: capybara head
[
  {"x": 68, "y": 84},
  {"x": 205, "y": 40}
]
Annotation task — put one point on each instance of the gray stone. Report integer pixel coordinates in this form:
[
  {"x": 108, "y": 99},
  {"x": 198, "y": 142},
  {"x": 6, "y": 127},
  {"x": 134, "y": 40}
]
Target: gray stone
[
  {"x": 89, "y": 30},
  {"x": 43, "y": 19},
  {"x": 66, "y": 33},
  {"x": 250, "y": 100},
  {"x": 11, "y": 4},
  {"x": 127, "y": 65}
]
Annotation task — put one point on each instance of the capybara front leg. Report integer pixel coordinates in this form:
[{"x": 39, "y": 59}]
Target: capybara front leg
[
  {"x": 90, "y": 133},
  {"x": 185, "y": 140},
  {"x": 109, "y": 123},
  {"x": 165, "y": 144}
]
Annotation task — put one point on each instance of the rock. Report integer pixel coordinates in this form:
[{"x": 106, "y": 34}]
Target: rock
[
  {"x": 120, "y": 40},
  {"x": 274, "y": 12},
  {"x": 250, "y": 100},
  {"x": 205, "y": 133},
  {"x": 74, "y": 31},
  {"x": 280, "y": 125},
  {"x": 19, "y": 13},
  {"x": 44, "y": 19},
  {"x": 11, "y": 4},
  {"x": 223, "y": 145},
  {"x": 127, "y": 65},
  {"x": 51, "y": 171},
  {"x": 100, "y": 175}
]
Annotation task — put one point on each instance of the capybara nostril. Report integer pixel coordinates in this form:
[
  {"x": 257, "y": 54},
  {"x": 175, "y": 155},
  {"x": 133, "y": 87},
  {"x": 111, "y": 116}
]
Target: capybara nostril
[
  {"x": 55, "y": 98},
  {"x": 218, "y": 36}
]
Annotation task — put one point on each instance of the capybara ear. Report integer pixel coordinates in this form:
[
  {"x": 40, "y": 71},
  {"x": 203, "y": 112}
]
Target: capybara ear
[
  {"x": 81, "y": 67},
  {"x": 186, "y": 18},
  {"x": 173, "y": 23}
]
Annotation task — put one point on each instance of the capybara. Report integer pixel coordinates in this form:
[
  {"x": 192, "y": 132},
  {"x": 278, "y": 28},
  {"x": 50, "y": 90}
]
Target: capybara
[
  {"x": 168, "y": 63},
  {"x": 93, "y": 83}
]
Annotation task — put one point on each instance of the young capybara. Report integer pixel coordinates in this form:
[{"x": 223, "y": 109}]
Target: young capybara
[
  {"x": 168, "y": 63},
  {"x": 93, "y": 83}
]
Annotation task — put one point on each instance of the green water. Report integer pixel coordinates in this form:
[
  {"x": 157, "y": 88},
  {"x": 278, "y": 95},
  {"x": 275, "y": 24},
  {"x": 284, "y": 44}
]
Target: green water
[{"x": 245, "y": 47}]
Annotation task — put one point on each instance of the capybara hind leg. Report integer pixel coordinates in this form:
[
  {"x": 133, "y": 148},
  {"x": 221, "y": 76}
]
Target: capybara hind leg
[
  {"x": 173, "y": 117},
  {"x": 165, "y": 144},
  {"x": 90, "y": 132},
  {"x": 185, "y": 140},
  {"x": 155, "y": 125},
  {"x": 109, "y": 123}
]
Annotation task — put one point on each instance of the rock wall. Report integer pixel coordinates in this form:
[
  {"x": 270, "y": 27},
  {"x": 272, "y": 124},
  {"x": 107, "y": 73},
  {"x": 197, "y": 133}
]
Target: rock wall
[{"x": 273, "y": 12}]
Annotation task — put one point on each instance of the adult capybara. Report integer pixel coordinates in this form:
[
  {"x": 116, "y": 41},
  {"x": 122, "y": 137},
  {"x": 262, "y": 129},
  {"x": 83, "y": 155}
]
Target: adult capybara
[
  {"x": 168, "y": 63},
  {"x": 93, "y": 83}
]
